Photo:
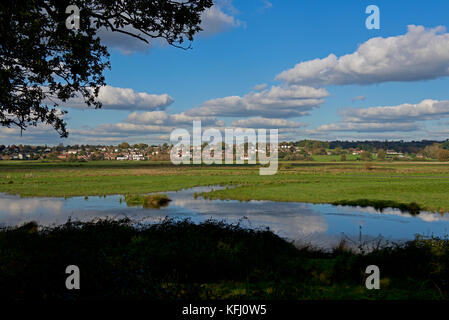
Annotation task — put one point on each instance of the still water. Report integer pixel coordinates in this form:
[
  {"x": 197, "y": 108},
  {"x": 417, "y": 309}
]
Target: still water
[{"x": 319, "y": 224}]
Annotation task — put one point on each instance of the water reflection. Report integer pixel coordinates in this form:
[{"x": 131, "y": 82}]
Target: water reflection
[{"x": 319, "y": 224}]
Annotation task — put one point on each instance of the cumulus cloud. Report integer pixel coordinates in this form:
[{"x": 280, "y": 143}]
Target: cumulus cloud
[
  {"x": 260, "y": 122},
  {"x": 425, "y": 110},
  {"x": 368, "y": 127},
  {"x": 137, "y": 127},
  {"x": 267, "y": 4},
  {"x": 104, "y": 133},
  {"x": 40, "y": 134},
  {"x": 123, "y": 99},
  {"x": 157, "y": 125},
  {"x": 142, "y": 126},
  {"x": 163, "y": 118},
  {"x": 259, "y": 87},
  {"x": 366, "y": 136},
  {"x": 124, "y": 43},
  {"x": 358, "y": 98},
  {"x": 403, "y": 117},
  {"x": 420, "y": 54},
  {"x": 276, "y": 102},
  {"x": 120, "y": 129},
  {"x": 213, "y": 20}
]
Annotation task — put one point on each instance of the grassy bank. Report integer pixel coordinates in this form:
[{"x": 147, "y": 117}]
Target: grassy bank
[
  {"x": 154, "y": 201},
  {"x": 212, "y": 260},
  {"x": 425, "y": 184}
]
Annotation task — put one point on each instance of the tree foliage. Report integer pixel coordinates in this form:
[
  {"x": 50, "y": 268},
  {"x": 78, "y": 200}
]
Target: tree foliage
[
  {"x": 443, "y": 155},
  {"x": 445, "y": 145},
  {"x": 432, "y": 151},
  {"x": 43, "y": 63},
  {"x": 124, "y": 145},
  {"x": 365, "y": 156},
  {"x": 381, "y": 154}
]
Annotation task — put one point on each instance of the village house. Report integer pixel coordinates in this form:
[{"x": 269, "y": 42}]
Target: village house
[{"x": 138, "y": 157}]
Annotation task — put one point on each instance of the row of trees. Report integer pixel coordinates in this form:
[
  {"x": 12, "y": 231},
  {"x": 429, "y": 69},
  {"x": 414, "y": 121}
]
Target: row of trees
[
  {"x": 430, "y": 149},
  {"x": 399, "y": 146}
]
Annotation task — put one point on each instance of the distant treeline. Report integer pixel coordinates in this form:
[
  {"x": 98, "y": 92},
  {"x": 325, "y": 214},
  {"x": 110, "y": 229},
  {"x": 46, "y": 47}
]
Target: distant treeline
[
  {"x": 399, "y": 146},
  {"x": 370, "y": 146}
]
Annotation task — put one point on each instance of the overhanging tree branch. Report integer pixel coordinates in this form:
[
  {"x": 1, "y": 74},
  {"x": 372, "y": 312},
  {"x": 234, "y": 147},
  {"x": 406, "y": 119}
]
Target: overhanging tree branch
[{"x": 37, "y": 51}]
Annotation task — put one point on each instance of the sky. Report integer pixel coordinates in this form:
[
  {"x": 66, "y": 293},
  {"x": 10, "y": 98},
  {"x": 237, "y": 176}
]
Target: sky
[{"x": 311, "y": 69}]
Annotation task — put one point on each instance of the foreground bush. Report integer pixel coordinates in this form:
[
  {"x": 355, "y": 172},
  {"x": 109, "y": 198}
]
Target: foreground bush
[{"x": 211, "y": 260}]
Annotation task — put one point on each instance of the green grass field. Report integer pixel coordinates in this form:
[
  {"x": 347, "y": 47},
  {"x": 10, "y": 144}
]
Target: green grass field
[
  {"x": 325, "y": 158},
  {"x": 426, "y": 183}
]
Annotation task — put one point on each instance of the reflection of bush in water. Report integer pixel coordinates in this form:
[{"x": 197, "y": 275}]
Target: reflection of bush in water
[
  {"x": 154, "y": 201},
  {"x": 413, "y": 208}
]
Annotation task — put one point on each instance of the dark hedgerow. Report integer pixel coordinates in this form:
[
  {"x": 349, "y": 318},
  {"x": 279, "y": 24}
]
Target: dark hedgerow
[{"x": 211, "y": 260}]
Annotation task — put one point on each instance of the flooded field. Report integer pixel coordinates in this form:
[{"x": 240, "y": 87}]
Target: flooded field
[{"x": 320, "y": 224}]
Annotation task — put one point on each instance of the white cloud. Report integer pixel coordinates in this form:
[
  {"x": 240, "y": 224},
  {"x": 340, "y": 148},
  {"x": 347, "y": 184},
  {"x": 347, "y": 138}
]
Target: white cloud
[
  {"x": 358, "y": 98},
  {"x": 267, "y": 4},
  {"x": 163, "y": 118},
  {"x": 120, "y": 129},
  {"x": 277, "y": 102},
  {"x": 425, "y": 110},
  {"x": 260, "y": 122},
  {"x": 143, "y": 126},
  {"x": 213, "y": 20},
  {"x": 124, "y": 99},
  {"x": 404, "y": 117},
  {"x": 40, "y": 134},
  {"x": 137, "y": 127},
  {"x": 368, "y": 127},
  {"x": 127, "y": 44},
  {"x": 116, "y": 133},
  {"x": 420, "y": 54},
  {"x": 259, "y": 87},
  {"x": 6, "y": 130}
]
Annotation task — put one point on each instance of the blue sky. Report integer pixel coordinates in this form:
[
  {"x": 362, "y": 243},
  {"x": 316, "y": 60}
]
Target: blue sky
[{"x": 251, "y": 42}]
